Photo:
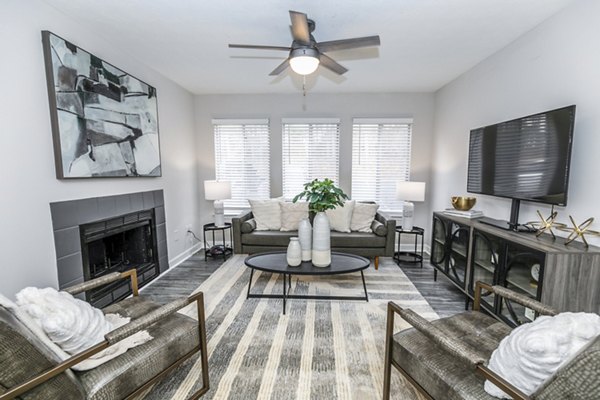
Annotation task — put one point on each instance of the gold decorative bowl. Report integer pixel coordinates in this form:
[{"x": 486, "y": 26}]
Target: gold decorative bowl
[{"x": 463, "y": 203}]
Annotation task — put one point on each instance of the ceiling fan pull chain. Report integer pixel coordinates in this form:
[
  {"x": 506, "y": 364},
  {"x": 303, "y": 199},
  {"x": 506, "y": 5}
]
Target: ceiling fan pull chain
[{"x": 304, "y": 85}]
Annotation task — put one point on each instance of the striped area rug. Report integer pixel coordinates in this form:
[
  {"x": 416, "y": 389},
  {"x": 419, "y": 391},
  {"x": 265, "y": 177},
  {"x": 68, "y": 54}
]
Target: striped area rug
[{"x": 318, "y": 350}]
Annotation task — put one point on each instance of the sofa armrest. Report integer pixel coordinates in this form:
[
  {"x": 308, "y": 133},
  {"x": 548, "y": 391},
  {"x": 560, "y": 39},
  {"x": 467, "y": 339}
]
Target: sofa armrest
[
  {"x": 390, "y": 239},
  {"x": 237, "y": 222},
  {"x": 103, "y": 280},
  {"x": 511, "y": 295}
]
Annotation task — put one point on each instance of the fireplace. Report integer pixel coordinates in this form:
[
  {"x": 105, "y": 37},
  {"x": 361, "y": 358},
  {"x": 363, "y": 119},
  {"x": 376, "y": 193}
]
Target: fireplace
[
  {"x": 117, "y": 245},
  {"x": 99, "y": 235}
]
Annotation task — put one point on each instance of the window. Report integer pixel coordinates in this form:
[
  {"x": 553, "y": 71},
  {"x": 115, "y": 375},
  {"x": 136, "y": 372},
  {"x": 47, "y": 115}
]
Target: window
[
  {"x": 380, "y": 157},
  {"x": 242, "y": 157},
  {"x": 310, "y": 150}
]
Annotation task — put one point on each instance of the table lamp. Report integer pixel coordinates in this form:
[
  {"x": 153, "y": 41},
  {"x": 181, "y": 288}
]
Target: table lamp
[
  {"x": 218, "y": 191},
  {"x": 409, "y": 192}
]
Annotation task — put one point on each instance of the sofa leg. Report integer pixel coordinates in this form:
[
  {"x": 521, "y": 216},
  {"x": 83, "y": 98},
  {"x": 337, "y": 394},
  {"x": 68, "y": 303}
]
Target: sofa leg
[
  {"x": 389, "y": 332},
  {"x": 376, "y": 262}
]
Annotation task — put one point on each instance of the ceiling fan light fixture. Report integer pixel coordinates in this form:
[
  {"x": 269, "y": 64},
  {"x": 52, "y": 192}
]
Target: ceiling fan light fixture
[{"x": 304, "y": 61}]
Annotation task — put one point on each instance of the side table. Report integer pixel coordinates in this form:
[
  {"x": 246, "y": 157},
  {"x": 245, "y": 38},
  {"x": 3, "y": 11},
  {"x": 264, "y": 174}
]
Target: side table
[
  {"x": 412, "y": 257},
  {"x": 217, "y": 249}
]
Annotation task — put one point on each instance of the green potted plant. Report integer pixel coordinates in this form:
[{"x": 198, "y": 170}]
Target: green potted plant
[{"x": 321, "y": 195}]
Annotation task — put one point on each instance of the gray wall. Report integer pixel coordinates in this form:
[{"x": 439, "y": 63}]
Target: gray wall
[
  {"x": 343, "y": 106},
  {"x": 29, "y": 184},
  {"x": 554, "y": 65}
]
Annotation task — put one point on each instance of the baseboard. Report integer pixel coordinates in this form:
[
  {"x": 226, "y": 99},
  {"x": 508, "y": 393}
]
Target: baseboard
[
  {"x": 184, "y": 255},
  {"x": 411, "y": 247}
]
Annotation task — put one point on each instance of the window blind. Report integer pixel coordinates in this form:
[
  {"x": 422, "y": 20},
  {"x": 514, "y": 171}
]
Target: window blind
[
  {"x": 311, "y": 150},
  {"x": 380, "y": 156},
  {"x": 242, "y": 157}
]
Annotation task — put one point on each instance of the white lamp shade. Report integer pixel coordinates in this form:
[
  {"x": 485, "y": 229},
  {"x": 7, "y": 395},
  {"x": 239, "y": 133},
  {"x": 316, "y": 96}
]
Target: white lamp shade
[
  {"x": 217, "y": 190},
  {"x": 410, "y": 191}
]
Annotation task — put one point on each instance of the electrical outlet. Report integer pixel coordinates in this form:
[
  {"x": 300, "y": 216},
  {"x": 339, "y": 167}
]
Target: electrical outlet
[
  {"x": 188, "y": 228},
  {"x": 176, "y": 235}
]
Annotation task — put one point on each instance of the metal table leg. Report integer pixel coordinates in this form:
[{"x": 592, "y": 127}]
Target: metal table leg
[
  {"x": 364, "y": 285},
  {"x": 250, "y": 283},
  {"x": 284, "y": 294}
]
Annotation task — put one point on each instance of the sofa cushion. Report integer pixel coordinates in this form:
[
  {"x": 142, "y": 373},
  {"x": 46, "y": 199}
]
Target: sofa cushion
[
  {"x": 338, "y": 239},
  {"x": 356, "y": 239},
  {"x": 248, "y": 226},
  {"x": 174, "y": 336},
  {"x": 362, "y": 216},
  {"x": 378, "y": 228},
  {"x": 439, "y": 372},
  {"x": 341, "y": 217},
  {"x": 292, "y": 214},
  {"x": 266, "y": 214}
]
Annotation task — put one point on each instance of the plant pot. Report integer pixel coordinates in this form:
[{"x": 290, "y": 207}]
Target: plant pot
[
  {"x": 294, "y": 253},
  {"x": 305, "y": 236},
  {"x": 321, "y": 246}
]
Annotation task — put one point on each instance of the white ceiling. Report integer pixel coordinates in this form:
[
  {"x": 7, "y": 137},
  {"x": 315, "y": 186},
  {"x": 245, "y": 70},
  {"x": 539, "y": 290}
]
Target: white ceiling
[{"x": 424, "y": 43}]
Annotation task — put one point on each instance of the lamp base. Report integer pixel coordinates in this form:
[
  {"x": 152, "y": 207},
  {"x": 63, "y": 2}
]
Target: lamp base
[
  {"x": 219, "y": 213},
  {"x": 408, "y": 212}
]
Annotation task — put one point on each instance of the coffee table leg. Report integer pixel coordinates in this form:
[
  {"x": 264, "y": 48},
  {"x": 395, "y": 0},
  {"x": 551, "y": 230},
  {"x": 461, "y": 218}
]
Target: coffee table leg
[
  {"x": 364, "y": 285},
  {"x": 250, "y": 283},
  {"x": 284, "y": 285},
  {"x": 290, "y": 281}
]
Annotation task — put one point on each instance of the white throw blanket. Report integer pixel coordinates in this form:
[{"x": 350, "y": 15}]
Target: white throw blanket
[
  {"x": 75, "y": 325},
  {"x": 533, "y": 352}
]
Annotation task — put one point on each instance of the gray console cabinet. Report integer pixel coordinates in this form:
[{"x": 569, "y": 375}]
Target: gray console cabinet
[{"x": 565, "y": 277}]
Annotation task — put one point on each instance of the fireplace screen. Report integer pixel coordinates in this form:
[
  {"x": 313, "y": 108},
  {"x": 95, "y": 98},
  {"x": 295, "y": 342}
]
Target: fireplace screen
[{"x": 117, "y": 245}]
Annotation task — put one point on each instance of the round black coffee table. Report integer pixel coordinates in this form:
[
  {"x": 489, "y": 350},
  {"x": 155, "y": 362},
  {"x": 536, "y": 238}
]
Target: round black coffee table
[{"x": 275, "y": 262}]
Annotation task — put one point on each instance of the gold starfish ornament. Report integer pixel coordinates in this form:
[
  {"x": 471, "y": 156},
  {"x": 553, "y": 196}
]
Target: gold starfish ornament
[
  {"x": 546, "y": 224},
  {"x": 580, "y": 230}
]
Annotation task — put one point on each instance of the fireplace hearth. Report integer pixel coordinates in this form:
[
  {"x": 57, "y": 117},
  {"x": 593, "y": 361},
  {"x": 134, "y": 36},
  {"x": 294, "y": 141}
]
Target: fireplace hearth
[{"x": 117, "y": 245}]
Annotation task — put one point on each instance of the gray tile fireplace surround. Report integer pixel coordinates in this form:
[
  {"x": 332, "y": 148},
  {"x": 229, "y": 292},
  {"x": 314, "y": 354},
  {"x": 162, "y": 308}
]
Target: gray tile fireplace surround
[{"x": 67, "y": 216}]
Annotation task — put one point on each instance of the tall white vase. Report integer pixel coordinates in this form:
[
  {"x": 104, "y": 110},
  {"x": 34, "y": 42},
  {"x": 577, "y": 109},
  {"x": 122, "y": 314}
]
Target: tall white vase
[
  {"x": 294, "y": 253},
  {"x": 305, "y": 236},
  {"x": 321, "y": 248}
]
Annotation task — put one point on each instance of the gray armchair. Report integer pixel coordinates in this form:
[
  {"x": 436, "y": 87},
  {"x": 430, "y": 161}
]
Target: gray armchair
[
  {"x": 28, "y": 370},
  {"x": 446, "y": 359}
]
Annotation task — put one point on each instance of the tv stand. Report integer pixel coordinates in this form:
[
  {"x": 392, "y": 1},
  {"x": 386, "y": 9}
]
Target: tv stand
[{"x": 507, "y": 226}]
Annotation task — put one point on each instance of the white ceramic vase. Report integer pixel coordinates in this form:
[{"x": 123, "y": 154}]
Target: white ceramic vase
[
  {"x": 294, "y": 253},
  {"x": 305, "y": 236},
  {"x": 321, "y": 246}
]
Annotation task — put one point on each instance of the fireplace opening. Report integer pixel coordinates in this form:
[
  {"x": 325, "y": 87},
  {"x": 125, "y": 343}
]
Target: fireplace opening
[{"x": 118, "y": 245}]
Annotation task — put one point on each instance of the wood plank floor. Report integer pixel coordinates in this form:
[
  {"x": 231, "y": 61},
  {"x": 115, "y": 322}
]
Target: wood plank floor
[{"x": 444, "y": 298}]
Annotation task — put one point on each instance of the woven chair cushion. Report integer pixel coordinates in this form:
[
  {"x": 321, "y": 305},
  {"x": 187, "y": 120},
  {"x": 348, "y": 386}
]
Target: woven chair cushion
[
  {"x": 25, "y": 356},
  {"x": 174, "y": 336},
  {"x": 437, "y": 371}
]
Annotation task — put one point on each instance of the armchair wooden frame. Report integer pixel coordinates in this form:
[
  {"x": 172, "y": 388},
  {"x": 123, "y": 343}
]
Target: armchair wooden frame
[
  {"x": 125, "y": 331},
  {"x": 451, "y": 345}
]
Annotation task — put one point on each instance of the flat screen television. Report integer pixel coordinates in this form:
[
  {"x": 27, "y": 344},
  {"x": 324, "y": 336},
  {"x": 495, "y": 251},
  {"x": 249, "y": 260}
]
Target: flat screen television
[{"x": 523, "y": 159}]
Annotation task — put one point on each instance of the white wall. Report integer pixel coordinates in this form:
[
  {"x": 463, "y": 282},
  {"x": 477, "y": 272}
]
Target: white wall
[
  {"x": 26, "y": 154},
  {"x": 554, "y": 65},
  {"x": 343, "y": 106}
]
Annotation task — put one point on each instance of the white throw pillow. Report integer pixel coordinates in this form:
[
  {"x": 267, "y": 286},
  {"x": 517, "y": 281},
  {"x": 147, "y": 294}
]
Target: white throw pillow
[
  {"x": 75, "y": 325},
  {"x": 533, "y": 352},
  {"x": 363, "y": 216},
  {"x": 267, "y": 214},
  {"x": 292, "y": 214},
  {"x": 340, "y": 217}
]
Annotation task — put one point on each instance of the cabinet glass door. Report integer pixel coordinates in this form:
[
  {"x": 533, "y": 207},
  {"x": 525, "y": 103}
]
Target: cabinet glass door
[
  {"x": 438, "y": 244},
  {"x": 457, "y": 255},
  {"x": 522, "y": 272},
  {"x": 487, "y": 253}
]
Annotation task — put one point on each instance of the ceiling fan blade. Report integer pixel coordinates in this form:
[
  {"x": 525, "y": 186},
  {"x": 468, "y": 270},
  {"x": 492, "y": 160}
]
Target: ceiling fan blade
[
  {"x": 300, "y": 31},
  {"x": 344, "y": 44},
  {"x": 281, "y": 67},
  {"x": 332, "y": 65},
  {"x": 251, "y": 46}
]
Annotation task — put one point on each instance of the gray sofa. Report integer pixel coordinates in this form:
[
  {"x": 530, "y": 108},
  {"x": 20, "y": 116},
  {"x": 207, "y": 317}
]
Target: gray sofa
[{"x": 247, "y": 240}]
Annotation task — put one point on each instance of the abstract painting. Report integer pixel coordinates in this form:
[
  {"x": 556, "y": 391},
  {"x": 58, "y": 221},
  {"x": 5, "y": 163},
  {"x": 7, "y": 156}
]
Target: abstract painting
[{"x": 104, "y": 121}]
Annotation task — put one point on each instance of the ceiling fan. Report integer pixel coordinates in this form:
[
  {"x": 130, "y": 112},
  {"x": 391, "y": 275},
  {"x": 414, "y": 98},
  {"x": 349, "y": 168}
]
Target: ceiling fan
[{"x": 306, "y": 53}]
